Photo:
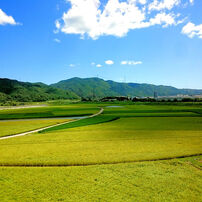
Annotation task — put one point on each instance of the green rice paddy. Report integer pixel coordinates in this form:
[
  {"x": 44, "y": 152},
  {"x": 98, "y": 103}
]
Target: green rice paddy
[
  {"x": 83, "y": 122},
  {"x": 48, "y": 112},
  {"x": 129, "y": 153},
  {"x": 13, "y": 127},
  {"x": 171, "y": 180}
]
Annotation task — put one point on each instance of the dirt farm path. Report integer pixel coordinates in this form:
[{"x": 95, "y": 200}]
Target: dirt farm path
[{"x": 40, "y": 129}]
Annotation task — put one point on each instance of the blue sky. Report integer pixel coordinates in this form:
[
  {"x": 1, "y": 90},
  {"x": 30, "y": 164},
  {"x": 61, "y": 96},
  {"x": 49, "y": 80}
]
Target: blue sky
[{"x": 143, "y": 41}]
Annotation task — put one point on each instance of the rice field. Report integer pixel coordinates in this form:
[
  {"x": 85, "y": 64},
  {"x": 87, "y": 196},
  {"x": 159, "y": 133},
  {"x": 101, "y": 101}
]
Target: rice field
[
  {"x": 48, "y": 112},
  {"x": 128, "y": 153},
  {"x": 170, "y": 180},
  {"x": 122, "y": 140},
  {"x": 13, "y": 127}
]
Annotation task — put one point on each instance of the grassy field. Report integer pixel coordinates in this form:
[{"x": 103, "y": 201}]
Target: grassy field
[
  {"x": 170, "y": 180},
  {"x": 131, "y": 139},
  {"x": 14, "y": 127}
]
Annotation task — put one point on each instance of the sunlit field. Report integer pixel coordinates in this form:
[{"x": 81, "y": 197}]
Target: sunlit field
[
  {"x": 101, "y": 100},
  {"x": 48, "y": 111},
  {"x": 170, "y": 180},
  {"x": 129, "y": 152},
  {"x": 15, "y": 126},
  {"x": 122, "y": 140}
]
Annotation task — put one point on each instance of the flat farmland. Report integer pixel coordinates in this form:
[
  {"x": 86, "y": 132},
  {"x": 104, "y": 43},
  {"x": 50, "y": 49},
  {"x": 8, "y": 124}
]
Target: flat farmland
[
  {"x": 48, "y": 112},
  {"x": 129, "y": 152},
  {"x": 122, "y": 140},
  {"x": 13, "y": 127},
  {"x": 170, "y": 180}
]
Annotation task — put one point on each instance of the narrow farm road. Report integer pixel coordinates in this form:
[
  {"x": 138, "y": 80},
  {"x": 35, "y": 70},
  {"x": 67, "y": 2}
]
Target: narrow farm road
[{"x": 40, "y": 129}]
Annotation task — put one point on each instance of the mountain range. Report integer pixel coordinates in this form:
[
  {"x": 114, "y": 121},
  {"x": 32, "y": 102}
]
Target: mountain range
[
  {"x": 97, "y": 87},
  {"x": 76, "y": 88}
]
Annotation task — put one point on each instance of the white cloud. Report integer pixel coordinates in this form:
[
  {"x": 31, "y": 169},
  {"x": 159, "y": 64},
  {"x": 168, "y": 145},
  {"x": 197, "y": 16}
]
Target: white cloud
[
  {"x": 5, "y": 19},
  {"x": 164, "y": 19},
  {"x": 57, "y": 40},
  {"x": 92, "y": 63},
  {"x": 72, "y": 65},
  {"x": 163, "y": 4},
  {"x": 192, "y": 30},
  {"x": 98, "y": 65},
  {"x": 57, "y": 24},
  {"x": 143, "y": 1},
  {"x": 109, "y": 62},
  {"x": 191, "y": 1},
  {"x": 93, "y": 19},
  {"x": 124, "y": 62},
  {"x": 131, "y": 62}
]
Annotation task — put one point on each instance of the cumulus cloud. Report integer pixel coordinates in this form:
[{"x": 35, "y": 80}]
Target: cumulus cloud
[
  {"x": 164, "y": 19},
  {"x": 72, "y": 65},
  {"x": 94, "y": 19},
  {"x": 109, "y": 62},
  {"x": 98, "y": 65},
  {"x": 142, "y": 1},
  {"x": 192, "y": 30},
  {"x": 131, "y": 62},
  {"x": 5, "y": 19},
  {"x": 165, "y": 4}
]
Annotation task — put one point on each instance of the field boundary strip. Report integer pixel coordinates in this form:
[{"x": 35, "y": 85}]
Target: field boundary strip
[
  {"x": 47, "y": 127},
  {"x": 103, "y": 163},
  {"x": 22, "y": 107}
]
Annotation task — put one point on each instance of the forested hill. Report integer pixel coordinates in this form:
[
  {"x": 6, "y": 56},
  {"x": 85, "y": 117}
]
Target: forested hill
[
  {"x": 95, "y": 87},
  {"x": 12, "y": 90}
]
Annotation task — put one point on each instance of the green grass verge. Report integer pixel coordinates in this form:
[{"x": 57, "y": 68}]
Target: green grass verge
[
  {"x": 82, "y": 122},
  {"x": 170, "y": 180}
]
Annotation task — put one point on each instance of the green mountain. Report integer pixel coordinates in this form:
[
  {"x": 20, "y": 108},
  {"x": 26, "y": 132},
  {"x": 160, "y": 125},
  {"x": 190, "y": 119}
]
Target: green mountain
[
  {"x": 13, "y": 90},
  {"x": 28, "y": 92},
  {"x": 95, "y": 87}
]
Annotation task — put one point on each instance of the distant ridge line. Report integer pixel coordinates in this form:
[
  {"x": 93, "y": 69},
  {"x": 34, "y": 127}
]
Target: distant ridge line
[{"x": 77, "y": 88}]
